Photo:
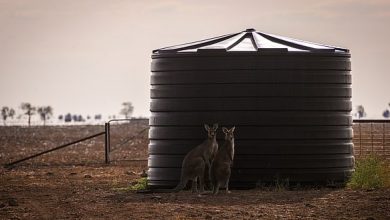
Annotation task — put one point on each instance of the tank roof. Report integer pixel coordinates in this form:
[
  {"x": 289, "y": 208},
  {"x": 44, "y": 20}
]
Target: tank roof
[{"x": 250, "y": 40}]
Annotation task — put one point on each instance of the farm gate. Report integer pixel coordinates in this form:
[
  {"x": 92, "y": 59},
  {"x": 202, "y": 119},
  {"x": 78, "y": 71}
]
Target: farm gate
[{"x": 118, "y": 139}]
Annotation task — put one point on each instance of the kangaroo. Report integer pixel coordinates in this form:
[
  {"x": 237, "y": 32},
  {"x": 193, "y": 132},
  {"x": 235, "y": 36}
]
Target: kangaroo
[
  {"x": 221, "y": 165},
  {"x": 196, "y": 161}
]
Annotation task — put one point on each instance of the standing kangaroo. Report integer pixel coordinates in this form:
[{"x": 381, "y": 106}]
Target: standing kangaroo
[
  {"x": 221, "y": 166},
  {"x": 196, "y": 161}
]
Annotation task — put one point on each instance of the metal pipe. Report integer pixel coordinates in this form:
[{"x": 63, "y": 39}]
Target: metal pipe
[
  {"x": 53, "y": 149},
  {"x": 371, "y": 120},
  {"x": 123, "y": 119},
  {"x": 109, "y": 137},
  {"x": 106, "y": 142}
]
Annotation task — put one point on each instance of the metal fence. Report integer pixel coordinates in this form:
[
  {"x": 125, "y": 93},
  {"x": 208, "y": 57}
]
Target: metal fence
[
  {"x": 371, "y": 137},
  {"x": 121, "y": 139}
]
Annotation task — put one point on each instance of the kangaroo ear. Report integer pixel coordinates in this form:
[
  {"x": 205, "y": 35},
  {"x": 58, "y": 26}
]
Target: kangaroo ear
[
  {"x": 225, "y": 130},
  {"x": 232, "y": 129},
  {"x": 215, "y": 126},
  {"x": 206, "y": 127}
]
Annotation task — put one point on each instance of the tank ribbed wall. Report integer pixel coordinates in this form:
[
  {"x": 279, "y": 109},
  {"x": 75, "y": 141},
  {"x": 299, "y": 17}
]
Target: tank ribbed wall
[{"x": 291, "y": 112}]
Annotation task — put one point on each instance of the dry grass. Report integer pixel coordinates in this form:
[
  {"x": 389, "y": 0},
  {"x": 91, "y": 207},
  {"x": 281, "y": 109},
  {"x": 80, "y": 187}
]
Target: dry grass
[{"x": 371, "y": 173}]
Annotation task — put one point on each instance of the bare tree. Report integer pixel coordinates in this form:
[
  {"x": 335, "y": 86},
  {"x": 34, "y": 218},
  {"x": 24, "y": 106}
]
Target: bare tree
[
  {"x": 68, "y": 117},
  {"x": 45, "y": 112},
  {"x": 361, "y": 113},
  {"x": 127, "y": 109},
  {"x": 98, "y": 117},
  {"x": 7, "y": 112},
  {"x": 29, "y": 110},
  {"x": 386, "y": 113}
]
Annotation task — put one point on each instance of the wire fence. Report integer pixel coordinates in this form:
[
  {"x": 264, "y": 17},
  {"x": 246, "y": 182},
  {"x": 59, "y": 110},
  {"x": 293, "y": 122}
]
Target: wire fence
[
  {"x": 129, "y": 142},
  {"x": 60, "y": 145},
  {"x": 371, "y": 137}
]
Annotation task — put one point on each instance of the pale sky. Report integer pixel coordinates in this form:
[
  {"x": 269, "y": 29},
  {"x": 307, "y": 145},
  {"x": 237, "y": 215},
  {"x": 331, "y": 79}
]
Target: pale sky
[{"x": 89, "y": 56}]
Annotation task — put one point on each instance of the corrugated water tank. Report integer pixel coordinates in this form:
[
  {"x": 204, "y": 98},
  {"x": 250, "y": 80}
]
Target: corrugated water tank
[{"x": 290, "y": 101}]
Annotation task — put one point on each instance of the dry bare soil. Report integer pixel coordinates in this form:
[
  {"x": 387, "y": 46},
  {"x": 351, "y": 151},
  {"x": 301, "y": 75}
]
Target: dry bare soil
[{"x": 74, "y": 183}]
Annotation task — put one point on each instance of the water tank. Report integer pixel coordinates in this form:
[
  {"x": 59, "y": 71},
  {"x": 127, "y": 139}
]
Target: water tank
[{"x": 290, "y": 101}]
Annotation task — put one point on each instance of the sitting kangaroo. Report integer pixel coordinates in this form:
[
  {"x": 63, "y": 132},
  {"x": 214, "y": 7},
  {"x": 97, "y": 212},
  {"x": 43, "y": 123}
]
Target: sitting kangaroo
[
  {"x": 221, "y": 166},
  {"x": 196, "y": 161}
]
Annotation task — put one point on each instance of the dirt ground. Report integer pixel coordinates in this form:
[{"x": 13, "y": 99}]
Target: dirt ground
[{"x": 75, "y": 183}]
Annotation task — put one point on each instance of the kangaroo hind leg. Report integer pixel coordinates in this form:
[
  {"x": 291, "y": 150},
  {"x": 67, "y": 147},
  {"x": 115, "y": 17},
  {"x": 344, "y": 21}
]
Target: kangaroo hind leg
[
  {"x": 195, "y": 185},
  {"x": 227, "y": 186},
  {"x": 216, "y": 188}
]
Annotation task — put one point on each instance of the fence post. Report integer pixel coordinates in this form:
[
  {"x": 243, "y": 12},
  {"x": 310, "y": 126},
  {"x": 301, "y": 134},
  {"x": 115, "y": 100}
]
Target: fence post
[
  {"x": 372, "y": 139},
  {"x": 107, "y": 143},
  {"x": 384, "y": 138},
  {"x": 109, "y": 136},
  {"x": 360, "y": 140}
]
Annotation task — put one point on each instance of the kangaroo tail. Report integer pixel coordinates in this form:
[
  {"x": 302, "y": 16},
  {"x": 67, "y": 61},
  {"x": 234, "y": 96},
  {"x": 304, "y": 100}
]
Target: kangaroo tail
[{"x": 180, "y": 186}]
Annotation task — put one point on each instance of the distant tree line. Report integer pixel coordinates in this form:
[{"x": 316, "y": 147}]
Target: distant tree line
[
  {"x": 46, "y": 112},
  {"x": 361, "y": 112},
  {"x": 77, "y": 118}
]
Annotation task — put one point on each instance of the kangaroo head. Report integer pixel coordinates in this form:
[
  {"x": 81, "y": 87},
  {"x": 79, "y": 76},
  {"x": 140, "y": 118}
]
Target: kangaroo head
[
  {"x": 228, "y": 133},
  {"x": 211, "y": 131}
]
